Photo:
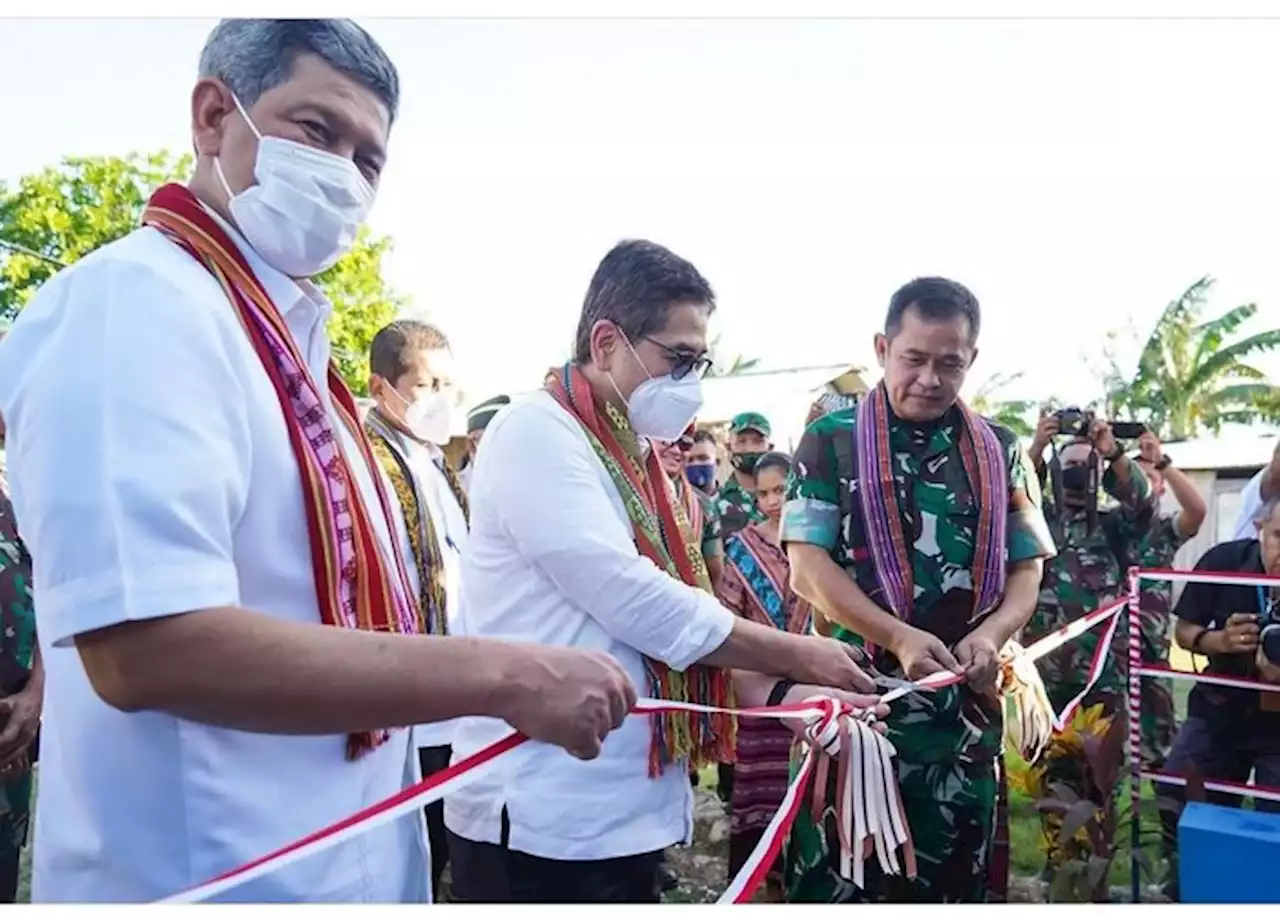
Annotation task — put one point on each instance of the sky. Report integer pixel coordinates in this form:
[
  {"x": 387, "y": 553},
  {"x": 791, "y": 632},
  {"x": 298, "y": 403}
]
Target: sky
[{"x": 1077, "y": 175}]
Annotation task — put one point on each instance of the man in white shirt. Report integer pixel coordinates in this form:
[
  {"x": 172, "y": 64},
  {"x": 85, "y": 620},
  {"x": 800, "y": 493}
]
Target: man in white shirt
[
  {"x": 411, "y": 379},
  {"x": 559, "y": 555},
  {"x": 198, "y": 497},
  {"x": 1263, "y": 486}
]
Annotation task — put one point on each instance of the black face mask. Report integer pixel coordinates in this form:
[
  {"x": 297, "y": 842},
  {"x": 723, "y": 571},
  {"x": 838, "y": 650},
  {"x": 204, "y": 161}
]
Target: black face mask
[
  {"x": 1075, "y": 478},
  {"x": 745, "y": 463}
]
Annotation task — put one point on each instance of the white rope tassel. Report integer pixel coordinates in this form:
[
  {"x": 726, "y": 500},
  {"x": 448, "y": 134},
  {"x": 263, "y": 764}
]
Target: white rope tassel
[
  {"x": 1030, "y": 726},
  {"x": 867, "y": 803}
]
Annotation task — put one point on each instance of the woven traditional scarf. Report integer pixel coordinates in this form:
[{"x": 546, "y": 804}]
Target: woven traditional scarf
[
  {"x": 663, "y": 536},
  {"x": 385, "y": 440},
  {"x": 692, "y": 506},
  {"x": 982, "y": 454},
  {"x": 354, "y": 588}
]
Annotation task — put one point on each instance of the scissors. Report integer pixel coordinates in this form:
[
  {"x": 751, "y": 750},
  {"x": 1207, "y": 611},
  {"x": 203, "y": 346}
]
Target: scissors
[{"x": 891, "y": 684}]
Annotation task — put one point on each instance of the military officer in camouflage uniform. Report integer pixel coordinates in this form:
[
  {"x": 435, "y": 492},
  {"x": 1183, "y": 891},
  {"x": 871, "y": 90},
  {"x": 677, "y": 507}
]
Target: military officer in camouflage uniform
[
  {"x": 957, "y": 486},
  {"x": 736, "y": 501},
  {"x": 1095, "y": 547},
  {"x": 1157, "y": 549}
]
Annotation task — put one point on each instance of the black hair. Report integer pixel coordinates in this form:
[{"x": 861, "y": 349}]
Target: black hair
[
  {"x": 934, "y": 299},
  {"x": 774, "y": 460},
  {"x": 389, "y": 351},
  {"x": 635, "y": 286},
  {"x": 704, "y": 434}
]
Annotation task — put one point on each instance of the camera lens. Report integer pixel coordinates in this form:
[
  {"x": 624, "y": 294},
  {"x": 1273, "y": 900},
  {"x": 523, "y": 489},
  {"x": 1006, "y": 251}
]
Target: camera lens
[{"x": 1270, "y": 642}]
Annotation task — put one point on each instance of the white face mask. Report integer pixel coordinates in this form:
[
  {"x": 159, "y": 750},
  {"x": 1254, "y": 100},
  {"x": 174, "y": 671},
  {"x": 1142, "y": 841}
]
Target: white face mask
[
  {"x": 662, "y": 408},
  {"x": 305, "y": 210},
  {"x": 429, "y": 416}
]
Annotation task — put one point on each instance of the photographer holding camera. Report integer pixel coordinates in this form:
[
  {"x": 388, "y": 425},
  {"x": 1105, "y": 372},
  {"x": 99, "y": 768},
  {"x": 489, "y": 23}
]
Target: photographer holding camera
[
  {"x": 1095, "y": 548},
  {"x": 1230, "y": 732}
]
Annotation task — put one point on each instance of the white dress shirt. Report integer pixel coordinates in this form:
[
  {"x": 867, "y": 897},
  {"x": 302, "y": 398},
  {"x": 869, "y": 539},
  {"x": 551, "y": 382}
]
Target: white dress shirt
[
  {"x": 1250, "y": 505},
  {"x": 552, "y": 559},
  {"x": 451, "y": 530},
  {"x": 152, "y": 476}
]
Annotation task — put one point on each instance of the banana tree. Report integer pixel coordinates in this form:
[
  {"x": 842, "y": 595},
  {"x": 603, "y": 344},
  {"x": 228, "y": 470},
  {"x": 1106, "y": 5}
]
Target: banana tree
[
  {"x": 1012, "y": 414},
  {"x": 1193, "y": 373}
]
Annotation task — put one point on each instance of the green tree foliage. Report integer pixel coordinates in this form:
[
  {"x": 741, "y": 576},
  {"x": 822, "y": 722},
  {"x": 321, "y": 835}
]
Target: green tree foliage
[
  {"x": 57, "y": 215},
  {"x": 1012, "y": 414},
  {"x": 1193, "y": 372},
  {"x": 724, "y": 366}
]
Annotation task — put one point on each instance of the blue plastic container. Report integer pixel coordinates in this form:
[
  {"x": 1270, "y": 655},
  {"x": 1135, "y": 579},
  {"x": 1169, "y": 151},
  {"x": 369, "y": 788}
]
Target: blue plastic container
[{"x": 1228, "y": 856}]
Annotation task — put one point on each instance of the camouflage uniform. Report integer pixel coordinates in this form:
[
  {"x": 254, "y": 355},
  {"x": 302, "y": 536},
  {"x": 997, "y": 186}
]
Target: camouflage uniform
[
  {"x": 1089, "y": 571},
  {"x": 711, "y": 546},
  {"x": 17, "y": 647},
  {"x": 1158, "y": 716},
  {"x": 736, "y": 508},
  {"x": 949, "y": 742}
]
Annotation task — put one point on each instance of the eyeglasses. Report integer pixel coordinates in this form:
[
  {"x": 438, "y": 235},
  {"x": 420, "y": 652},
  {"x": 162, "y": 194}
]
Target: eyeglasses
[{"x": 683, "y": 362}]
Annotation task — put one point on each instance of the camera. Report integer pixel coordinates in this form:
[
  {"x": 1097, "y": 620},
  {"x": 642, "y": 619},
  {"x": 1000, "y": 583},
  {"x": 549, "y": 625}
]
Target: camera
[
  {"x": 1269, "y": 630},
  {"x": 1075, "y": 421}
]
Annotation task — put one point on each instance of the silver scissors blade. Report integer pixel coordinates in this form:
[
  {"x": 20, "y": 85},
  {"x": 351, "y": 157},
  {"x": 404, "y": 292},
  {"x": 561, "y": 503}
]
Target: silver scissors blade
[{"x": 890, "y": 684}]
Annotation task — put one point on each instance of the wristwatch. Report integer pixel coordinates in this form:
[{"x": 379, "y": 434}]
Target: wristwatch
[
  {"x": 779, "y": 692},
  {"x": 1195, "y": 642},
  {"x": 1164, "y": 462}
]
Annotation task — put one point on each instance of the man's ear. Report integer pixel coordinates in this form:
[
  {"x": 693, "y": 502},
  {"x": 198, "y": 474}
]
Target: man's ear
[{"x": 604, "y": 339}]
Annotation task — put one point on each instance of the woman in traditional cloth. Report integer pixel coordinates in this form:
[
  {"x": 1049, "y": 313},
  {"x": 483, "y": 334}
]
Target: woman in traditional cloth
[
  {"x": 755, "y": 585},
  {"x": 22, "y": 688}
]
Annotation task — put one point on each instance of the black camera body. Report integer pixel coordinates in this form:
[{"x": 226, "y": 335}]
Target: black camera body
[
  {"x": 1269, "y": 630},
  {"x": 1077, "y": 422}
]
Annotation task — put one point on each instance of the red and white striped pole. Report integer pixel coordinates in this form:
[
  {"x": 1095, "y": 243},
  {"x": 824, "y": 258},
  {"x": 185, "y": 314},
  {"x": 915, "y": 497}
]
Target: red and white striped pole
[{"x": 1134, "y": 621}]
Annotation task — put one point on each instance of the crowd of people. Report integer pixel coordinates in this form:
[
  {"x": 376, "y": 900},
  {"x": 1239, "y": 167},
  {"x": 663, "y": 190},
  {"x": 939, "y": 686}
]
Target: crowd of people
[{"x": 261, "y": 609}]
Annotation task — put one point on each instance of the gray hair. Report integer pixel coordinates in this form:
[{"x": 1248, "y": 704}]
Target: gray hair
[{"x": 252, "y": 56}]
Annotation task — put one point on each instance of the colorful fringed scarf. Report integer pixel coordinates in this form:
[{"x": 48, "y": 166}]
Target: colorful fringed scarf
[
  {"x": 354, "y": 588},
  {"x": 692, "y": 506},
  {"x": 389, "y": 447},
  {"x": 983, "y": 458},
  {"x": 663, "y": 536}
]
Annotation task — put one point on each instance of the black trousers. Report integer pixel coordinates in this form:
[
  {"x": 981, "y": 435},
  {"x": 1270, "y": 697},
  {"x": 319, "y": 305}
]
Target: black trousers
[
  {"x": 1217, "y": 755},
  {"x": 495, "y": 874},
  {"x": 433, "y": 759}
]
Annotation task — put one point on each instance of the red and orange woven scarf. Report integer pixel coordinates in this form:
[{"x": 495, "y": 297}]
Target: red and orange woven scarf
[
  {"x": 354, "y": 587},
  {"x": 664, "y": 537}
]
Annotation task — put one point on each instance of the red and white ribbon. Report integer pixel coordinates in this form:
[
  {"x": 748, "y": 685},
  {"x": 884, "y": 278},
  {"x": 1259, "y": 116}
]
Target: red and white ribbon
[
  {"x": 867, "y": 782},
  {"x": 465, "y": 771}
]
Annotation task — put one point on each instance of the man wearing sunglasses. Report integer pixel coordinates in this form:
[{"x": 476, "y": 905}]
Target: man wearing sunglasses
[{"x": 576, "y": 540}]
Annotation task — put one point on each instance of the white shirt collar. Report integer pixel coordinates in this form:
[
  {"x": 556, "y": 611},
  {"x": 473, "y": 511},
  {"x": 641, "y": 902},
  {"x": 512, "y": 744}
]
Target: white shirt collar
[{"x": 285, "y": 291}]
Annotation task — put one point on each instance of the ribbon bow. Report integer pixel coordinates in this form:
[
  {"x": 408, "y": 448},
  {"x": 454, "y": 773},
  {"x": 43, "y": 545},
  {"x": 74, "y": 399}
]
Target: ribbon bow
[{"x": 867, "y": 797}]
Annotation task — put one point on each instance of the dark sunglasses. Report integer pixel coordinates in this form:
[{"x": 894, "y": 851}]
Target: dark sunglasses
[{"x": 683, "y": 362}]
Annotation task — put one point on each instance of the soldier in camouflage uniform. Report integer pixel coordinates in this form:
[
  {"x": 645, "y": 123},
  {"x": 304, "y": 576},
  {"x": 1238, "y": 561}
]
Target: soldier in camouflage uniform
[
  {"x": 948, "y": 742},
  {"x": 736, "y": 501},
  {"x": 22, "y": 688},
  {"x": 1095, "y": 547},
  {"x": 1157, "y": 549}
]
